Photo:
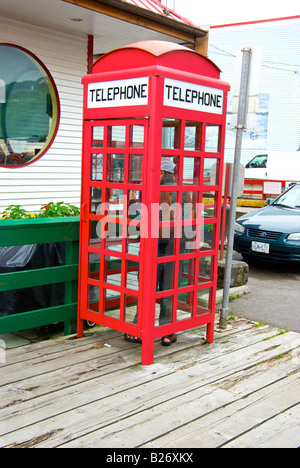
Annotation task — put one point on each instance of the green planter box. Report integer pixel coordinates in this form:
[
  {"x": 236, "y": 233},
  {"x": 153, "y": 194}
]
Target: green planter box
[{"x": 42, "y": 231}]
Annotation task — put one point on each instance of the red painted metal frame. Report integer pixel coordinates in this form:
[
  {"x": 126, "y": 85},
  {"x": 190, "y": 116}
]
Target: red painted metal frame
[{"x": 152, "y": 117}]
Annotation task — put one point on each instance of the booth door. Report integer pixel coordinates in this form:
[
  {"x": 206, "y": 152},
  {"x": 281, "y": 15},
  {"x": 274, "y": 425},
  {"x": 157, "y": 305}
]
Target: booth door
[
  {"x": 190, "y": 200},
  {"x": 111, "y": 249}
]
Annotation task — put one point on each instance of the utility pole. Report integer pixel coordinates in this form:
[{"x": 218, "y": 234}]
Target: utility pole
[{"x": 241, "y": 125}]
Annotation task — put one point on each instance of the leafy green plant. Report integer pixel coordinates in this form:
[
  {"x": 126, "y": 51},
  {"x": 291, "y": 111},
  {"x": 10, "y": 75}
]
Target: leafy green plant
[
  {"x": 58, "y": 210},
  {"x": 14, "y": 212},
  {"x": 49, "y": 210}
]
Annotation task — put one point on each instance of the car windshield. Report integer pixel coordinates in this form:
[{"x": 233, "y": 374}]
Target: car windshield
[{"x": 289, "y": 199}]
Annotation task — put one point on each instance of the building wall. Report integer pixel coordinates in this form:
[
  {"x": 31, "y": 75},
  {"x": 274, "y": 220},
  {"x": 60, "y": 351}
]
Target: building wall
[
  {"x": 56, "y": 176},
  {"x": 280, "y": 82}
]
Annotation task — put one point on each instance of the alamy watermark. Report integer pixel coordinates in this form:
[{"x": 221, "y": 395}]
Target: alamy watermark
[{"x": 161, "y": 221}]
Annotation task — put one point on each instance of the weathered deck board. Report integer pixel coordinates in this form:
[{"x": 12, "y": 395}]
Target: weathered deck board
[{"x": 238, "y": 391}]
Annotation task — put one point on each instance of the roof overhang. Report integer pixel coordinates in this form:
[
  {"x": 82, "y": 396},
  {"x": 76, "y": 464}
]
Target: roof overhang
[
  {"x": 112, "y": 23},
  {"x": 183, "y": 31}
]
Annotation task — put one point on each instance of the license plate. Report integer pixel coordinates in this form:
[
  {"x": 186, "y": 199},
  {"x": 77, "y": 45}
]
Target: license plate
[{"x": 260, "y": 247}]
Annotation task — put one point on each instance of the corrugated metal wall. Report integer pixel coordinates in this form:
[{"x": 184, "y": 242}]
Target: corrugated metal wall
[
  {"x": 56, "y": 176},
  {"x": 280, "y": 79}
]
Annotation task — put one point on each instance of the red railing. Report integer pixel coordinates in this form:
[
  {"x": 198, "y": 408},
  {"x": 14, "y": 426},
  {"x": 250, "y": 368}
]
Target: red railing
[{"x": 266, "y": 187}]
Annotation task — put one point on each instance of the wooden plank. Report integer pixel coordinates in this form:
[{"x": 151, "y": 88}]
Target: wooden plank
[
  {"x": 138, "y": 428},
  {"x": 140, "y": 424},
  {"x": 282, "y": 431},
  {"x": 153, "y": 397},
  {"x": 28, "y": 362},
  {"x": 263, "y": 400}
]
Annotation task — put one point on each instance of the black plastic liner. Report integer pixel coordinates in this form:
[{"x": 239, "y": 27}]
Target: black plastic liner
[{"x": 31, "y": 257}]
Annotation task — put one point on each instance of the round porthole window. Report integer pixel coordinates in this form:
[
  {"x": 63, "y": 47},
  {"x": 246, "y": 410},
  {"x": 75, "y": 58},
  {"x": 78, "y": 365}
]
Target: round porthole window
[{"x": 29, "y": 107}]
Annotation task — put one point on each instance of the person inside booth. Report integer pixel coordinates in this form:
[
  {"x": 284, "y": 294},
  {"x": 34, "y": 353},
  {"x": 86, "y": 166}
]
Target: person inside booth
[{"x": 166, "y": 245}]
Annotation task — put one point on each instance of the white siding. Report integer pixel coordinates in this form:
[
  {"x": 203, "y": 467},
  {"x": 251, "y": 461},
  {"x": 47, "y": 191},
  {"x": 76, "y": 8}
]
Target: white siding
[
  {"x": 56, "y": 176},
  {"x": 280, "y": 77}
]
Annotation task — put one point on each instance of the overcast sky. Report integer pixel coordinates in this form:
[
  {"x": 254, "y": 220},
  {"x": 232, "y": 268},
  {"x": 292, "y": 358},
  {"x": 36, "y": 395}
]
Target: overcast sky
[{"x": 215, "y": 12}]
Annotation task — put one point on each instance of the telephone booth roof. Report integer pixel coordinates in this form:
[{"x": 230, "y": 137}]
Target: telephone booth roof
[{"x": 154, "y": 55}]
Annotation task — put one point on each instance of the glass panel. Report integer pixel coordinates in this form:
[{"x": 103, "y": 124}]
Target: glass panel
[
  {"x": 165, "y": 276},
  {"x": 116, "y": 136},
  {"x": 96, "y": 200},
  {"x": 167, "y": 215},
  {"x": 185, "y": 306},
  {"x": 209, "y": 236},
  {"x": 204, "y": 301},
  {"x": 187, "y": 272},
  {"x": 205, "y": 269},
  {"x": 211, "y": 171},
  {"x": 210, "y": 204},
  {"x": 29, "y": 109},
  {"x": 131, "y": 303},
  {"x": 192, "y": 140},
  {"x": 133, "y": 240},
  {"x": 135, "y": 165},
  {"x": 164, "y": 312},
  {"x": 170, "y": 166},
  {"x": 112, "y": 304},
  {"x": 134, "y": 204},
  {"x": 132, "y": 275},
  {"x": 191, "y": 171},
  {"x": 171, "y": 134},
  {"x": 136, "y": 136},
  {"x": 97, "y": 167},
  {"x": 189, "y": 204},
  {"x": 112, "y": 233},
  {"x": 115, "y": 198},
  {"x": 212, "y": 138},
  {"x": 115, "y": 167},
  {"x": 93, "y": 298},
  {"x": 94, "y": 234},
  {"x": 112, "y": 270},
  {"x": 94, "y": 266},
  {"x": 97, "y": 137},
  {"x": 189, "y": 212}
]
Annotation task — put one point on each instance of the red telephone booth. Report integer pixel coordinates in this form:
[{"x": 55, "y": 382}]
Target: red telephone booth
[{"x": 154, "y": 127}]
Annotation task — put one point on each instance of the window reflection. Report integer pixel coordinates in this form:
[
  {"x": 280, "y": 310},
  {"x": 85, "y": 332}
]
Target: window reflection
[
  {"x": 97, "y": 137},
  {"x": 136, "y": 168},
  {"x": 192, "y": 139},
  {"x": 137, "y": 136},
  {"x": 116, "y": 136},
  {"x": 115, "y": 167},
  {"x": 191, "y": 171},
  {"x": 211, "y": 171},
  {"x": 93, "y": 298},
  {"x": 171, "y": 134},
  {"x": 212, "y": 138},
  {"x": 29, "y": 108},
  {"x": 97, "y": 167},
  {"x": 185, "y": 306}
]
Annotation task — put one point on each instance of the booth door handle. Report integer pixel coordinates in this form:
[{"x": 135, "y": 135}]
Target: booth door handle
[{"x": 84, "y": 213}]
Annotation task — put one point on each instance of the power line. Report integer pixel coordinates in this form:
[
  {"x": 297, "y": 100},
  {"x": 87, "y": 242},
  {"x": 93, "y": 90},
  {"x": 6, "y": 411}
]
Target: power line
[{"x": 229, "y": 54}]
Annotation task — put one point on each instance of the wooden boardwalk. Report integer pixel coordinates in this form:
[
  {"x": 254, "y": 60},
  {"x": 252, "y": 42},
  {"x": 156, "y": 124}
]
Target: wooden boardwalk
[{"x": 241, "y": 391}]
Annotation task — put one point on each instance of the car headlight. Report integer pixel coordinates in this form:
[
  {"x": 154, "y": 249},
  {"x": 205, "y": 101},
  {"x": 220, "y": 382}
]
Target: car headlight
[
  {"x": 295, "y": 236},
  {"x": 239, "y": 229}
]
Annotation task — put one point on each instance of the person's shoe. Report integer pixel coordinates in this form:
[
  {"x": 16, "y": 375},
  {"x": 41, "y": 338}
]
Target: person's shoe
[
  {"x": 132, "y": 339},
  {"x": 168, "y": 340}
]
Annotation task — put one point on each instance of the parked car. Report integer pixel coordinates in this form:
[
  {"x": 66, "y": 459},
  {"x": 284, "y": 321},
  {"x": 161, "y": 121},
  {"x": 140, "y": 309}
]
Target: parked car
[{"x": 273, "y": 232}]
